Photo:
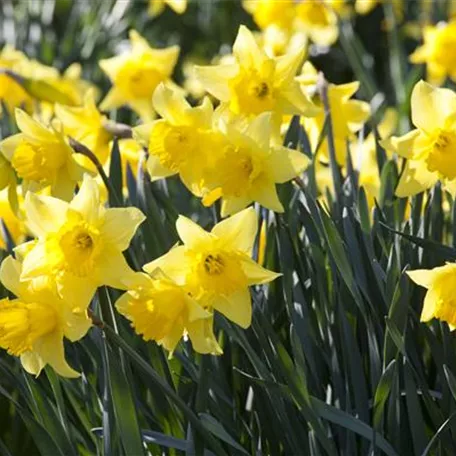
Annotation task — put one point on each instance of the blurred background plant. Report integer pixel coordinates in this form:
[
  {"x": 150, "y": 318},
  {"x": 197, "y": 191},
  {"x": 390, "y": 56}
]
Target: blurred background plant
[{"x": 336, "y": 360}]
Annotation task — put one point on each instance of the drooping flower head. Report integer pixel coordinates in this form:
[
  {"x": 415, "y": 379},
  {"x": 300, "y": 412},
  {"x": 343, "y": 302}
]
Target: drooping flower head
[
  {"x": 256, "y": 83},
  {"x": 42, "y": 157},
  {"x": 216, "y": 267},
  {"x": 163, "y": 311},
  {"x": 33, "y": 325},
  {"x": 136, "y": 74},
  {"x": 80, "y": 243}
]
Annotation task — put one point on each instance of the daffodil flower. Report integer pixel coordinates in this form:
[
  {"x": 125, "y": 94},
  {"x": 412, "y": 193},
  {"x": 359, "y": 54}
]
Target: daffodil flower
[
  {"x": 86, "y": 125},
  {"x": 438, "y": 52},
  {"x": 136, "y": 74},
  {"x": 34, "y": 325},
  {"x": 440, "y": 301},
  {"x": 430, "y": 149},
  {"x": 179, "y": 142},
  {"x": 216, "y": 267},
  {"x": 42, "y": 157},
  {"x": 163, "y": 311},
  {"x": 79, "y": 243},
  {"x": 248, "y": 167},
  {"x": 256, "y": 83},
  {"x": 347, "y": 116}
]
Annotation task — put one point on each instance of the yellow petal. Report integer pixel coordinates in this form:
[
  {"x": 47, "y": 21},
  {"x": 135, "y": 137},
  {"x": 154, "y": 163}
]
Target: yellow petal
[
  {"x": 239, "y": 231},
  {"x": 287, "y": 65},
  {"x": 215, "y": 79},
  {"x": 237, "y": 307},
  {"x": 171, "y": 105},
  {"x": 256, "y": 274},
  {"x": 260, "y": 130},
  {"x": 422, "y": 277},
  {"x": 120, "y": 225},
  {"x": 233, "y": 204},
  {"x": 113, "y": 270},
  {"x": 10, "y": 272},
  {"x": 266, "y": 195},
  {"x": 431, "y": 106},
  {"x": 179, "y": 6},
  {"x": 36, "y": 263},
  {"x": 415, "y": 179},
  {"x": 112, "y": 65},
  {"x": 174, "y": 264},
  {"x": 32, "y": 363},
  {"x": 87, "y": 200},
  {"x": 157, "y": 170},
  {"x": 63, "y": 187},
  {"x": 202, "y": 337},
  {"x": 32, "y": 128},
  {"x": 246, "y": 49},
  {"x": 9, "y": 145},
  {"x": 51, "y": 351},
  {"x": 76, "y": 293},
  {"x": 429, "y": 305},
  {"x": 191, "y": 234},
  {"x": 285, "y": 164},
  {"x": 112, "y": 100},
  {"x": 45, "y": 214},
  {"x": 411, "y": 145}
]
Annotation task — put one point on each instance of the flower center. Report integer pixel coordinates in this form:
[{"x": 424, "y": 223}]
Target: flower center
[
  {"x": 22, "y": 324},
  {"x": 38, "y": 163},
  {"x": 239, "y": 169},
  {"x": 80, "y": 247},
  {"x": 216, "y": 272},
  {"x": 138, "y": 79},
  {"x": 252, "y": 92},
  {"x": 442, "y": 157}
]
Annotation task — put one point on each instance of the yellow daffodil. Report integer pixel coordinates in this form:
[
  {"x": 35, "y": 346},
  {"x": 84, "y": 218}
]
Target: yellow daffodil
[
  {"x": 248, "y": 167},
  {"x": 156, "y": 7},
  {"x": 318, "y": 19},
  {"x": 271, "y": 12},
  {"x": 347, "y": 117},
  {"x": 79, "y": 243},
  {"x": 86, "y": 125},
  {"x": 256, "y": 83},
  {"x": 136, "y": 74},
  {"x": 177, "y": 142},
  {"x": 430, "y": 149},
  {"x": 440, "y": 300},
  {"x": 438, "y": 52},
  {"x": 216, "y": 267},
  {"x": 42, "y": 157},
  {"x": 163, "y": 311},
  {"x": 34, "y": 325}
]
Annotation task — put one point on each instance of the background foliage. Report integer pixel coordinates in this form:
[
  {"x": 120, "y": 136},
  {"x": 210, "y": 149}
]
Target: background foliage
[{"x": 336, "y": 360}]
